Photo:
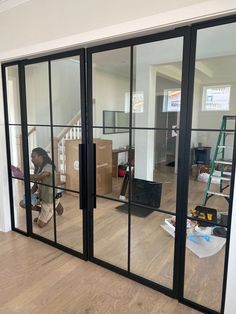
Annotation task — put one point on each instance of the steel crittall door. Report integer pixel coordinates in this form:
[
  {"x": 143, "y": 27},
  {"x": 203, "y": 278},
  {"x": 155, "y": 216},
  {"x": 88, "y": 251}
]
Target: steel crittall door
[
  {"x": 136, "y": 104},
  {"x": 51, "y": 94}
]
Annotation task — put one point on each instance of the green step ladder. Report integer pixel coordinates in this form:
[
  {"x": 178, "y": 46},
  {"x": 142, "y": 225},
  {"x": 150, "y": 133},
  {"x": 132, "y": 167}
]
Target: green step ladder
[{"x": 220, "y": 162}]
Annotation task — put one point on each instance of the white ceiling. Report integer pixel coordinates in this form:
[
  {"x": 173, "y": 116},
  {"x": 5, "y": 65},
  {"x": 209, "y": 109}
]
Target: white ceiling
[{"x": 6, "y": 5}]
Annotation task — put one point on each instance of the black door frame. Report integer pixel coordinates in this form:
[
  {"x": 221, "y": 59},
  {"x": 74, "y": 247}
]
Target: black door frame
[
  {"x": 23, "y": 106},
  {"x": 185, "y": 122},
  {"x": 188, "y": 69}
]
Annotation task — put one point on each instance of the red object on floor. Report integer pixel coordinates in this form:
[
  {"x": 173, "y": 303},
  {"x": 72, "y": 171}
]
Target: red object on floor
[{"x": 121, "y": 172}]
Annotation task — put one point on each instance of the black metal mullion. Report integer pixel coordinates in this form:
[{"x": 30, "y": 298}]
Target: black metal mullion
[
  {"x": 55, "y": 56},
  {"x": 178, "y": 32},
  {"x": 58, "y": 246},
  {"x": 52, "y": 148},
  {"x": 198, "y": 307},
  {"x": 215, "y": 22},
  {"x": 23, "y": 104},
  {"x": 187, "y": 85},
  {"x": 137, "y": 278},
  {"x": 83, "y": 106},
  {"x": 90, "y": 162},
  {"x": 232, "y": 184},
  {"x": 8, "y": 151},
  {"x": 130, "y": 151}
]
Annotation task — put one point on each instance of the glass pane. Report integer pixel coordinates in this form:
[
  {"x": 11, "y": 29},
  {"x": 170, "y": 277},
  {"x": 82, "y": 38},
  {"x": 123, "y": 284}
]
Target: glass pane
[
  {"x": 112, "y": 152},
  {"x": 111, "y": 87},
  {"x": 42, "y": 211},
  {"x": 17, "y": 166},
  {"x": 204, "y": 266},
  {"x": 68, "y": 163},
  {"x": 214, "y": 85},
  {"x": 37, "y": 93},
  {"x": 157, "y": 83},
  {"x": 66, "y": 156},
  {"x": 152, "y": 246},
  {"x": 41, "y": 176},
  {"x": 70, "y": 221},
  {"x": 13, "y": 97},
  {"x": 39, "y": 137},
  {"x": 65, "y": 74},
  {"x": 211, "y": 167},
  {"x": 155, "y": 169},
  {"x": 111, "y": 233},
  {"x": 18, "y": 191}
]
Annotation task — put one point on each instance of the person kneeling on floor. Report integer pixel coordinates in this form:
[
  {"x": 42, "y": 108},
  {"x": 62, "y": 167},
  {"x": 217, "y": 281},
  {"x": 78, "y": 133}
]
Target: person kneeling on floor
[{"x": 44, "y": 169}]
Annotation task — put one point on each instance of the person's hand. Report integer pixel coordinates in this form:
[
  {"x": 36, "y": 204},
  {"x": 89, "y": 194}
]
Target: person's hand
[{"x": 33, "y": 177}]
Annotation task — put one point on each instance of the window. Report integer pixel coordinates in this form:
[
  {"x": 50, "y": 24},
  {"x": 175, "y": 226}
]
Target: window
[
  {"x": 216, "y": 98},
  {"x": 172, "y": 100},
  {"x": 137, "y": 101}
]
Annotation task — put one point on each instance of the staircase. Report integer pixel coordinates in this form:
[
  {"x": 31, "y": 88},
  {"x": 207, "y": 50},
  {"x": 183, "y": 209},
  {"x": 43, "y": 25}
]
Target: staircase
[
  {"x": 71, "y": 132},
  {"x": 220, "y": 163}
]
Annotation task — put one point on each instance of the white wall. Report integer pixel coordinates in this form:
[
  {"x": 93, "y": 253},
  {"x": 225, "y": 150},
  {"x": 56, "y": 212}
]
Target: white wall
[
  {"x": 146, "y": 56},
  {"x": 65, "y": 80},
  {"x": 41, "y": 25},
  {"x": 38, "y": 21},
  {"x": 109, "y": 94},
  {"x": 5, "y": 224},
  {"x": 162, "y": 118},
  {"x": 211, "y": 119}
]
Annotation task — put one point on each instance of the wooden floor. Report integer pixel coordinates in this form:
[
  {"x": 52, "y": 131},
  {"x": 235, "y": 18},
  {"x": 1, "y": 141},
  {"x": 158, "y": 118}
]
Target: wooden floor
[
  {"x": 36, "y": 278},
  {"x": 152, "y": 248}
]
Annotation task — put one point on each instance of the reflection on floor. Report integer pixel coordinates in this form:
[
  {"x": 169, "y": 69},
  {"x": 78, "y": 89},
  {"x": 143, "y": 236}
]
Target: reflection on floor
[{"x": 152, "y": 248}]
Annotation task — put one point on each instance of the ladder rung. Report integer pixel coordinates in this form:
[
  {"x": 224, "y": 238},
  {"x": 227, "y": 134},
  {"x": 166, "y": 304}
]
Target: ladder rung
[
  {"x": 228, "y": 132},
  {"x": 226, "y": 173},
  {"x": 222, "y": 146},
  {"x": 219, "y": 194},
  {"x": 230, "y": 117},
  {"x": 223, "y": 162},
  {"x": 221, "y": 178}
]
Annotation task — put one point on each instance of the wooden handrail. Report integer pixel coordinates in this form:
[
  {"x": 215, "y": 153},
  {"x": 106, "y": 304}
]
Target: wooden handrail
[
  {"x": 32, "y": 130},
  {"x": 70, "y": 124}
]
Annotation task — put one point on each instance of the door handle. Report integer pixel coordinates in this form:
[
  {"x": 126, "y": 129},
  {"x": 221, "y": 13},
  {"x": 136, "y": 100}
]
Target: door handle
[
  {"x": 81, "y": 176},
  {"x": 94, "y": 176}
]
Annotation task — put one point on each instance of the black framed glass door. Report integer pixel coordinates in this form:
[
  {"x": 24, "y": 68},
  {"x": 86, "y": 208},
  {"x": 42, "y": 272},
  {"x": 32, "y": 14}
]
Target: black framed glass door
[
  {"x": 52, "y": 101},
  {"x": 211, "y": 179},
  {"x": 136, "y": 106},
  {"x": 132, "y": 158}
]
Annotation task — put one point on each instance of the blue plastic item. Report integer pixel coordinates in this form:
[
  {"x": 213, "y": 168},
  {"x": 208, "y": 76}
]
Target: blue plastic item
[
  {"x": 194, "y": 237},
  {"x": 33, "y": 198}
]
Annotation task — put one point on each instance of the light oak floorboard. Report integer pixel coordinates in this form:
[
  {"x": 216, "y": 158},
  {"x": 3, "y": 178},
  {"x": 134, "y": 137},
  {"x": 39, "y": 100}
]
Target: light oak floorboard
[
  {"x": 152, "y": 249},
  {"x": 36, "y": 278}
]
